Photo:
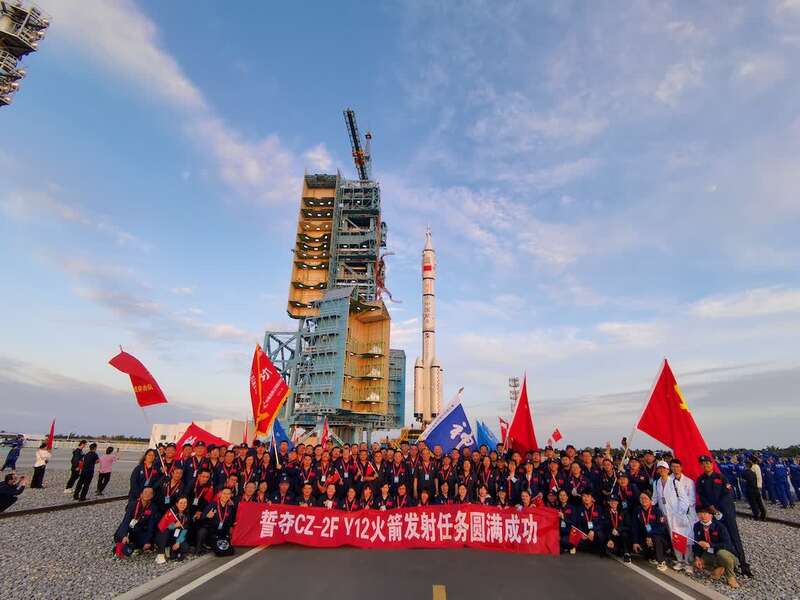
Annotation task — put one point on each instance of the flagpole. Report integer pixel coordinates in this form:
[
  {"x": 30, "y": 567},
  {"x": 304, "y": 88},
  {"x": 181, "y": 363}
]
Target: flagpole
[
  {"x": 641, "y": 412},
  {"x": 147, "y": 421}
]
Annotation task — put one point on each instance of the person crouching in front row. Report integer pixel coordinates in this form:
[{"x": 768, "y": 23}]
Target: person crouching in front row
[
  {"x": 217, "y": 521},
  {"x": 172, "y": 532},
  {"x": 712, "y": 547},
  {"x": 138, "y": 526}
]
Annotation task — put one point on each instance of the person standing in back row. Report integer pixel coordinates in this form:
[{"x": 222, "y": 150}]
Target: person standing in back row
[
  {"x": 75, "y": 469},
  {"x": 106, "y": 464},
  {"x": 86, "y": 473}
]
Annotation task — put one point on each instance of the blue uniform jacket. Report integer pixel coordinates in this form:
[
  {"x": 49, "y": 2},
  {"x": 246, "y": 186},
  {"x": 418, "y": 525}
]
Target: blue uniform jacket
[
  {"x": 713, "y": 491},
  {"x": 716, "y": 534},
  {"x": 147, "y": 518},
  {"x": 142, "y": 478},
  {"x": 642, "y": 518}
]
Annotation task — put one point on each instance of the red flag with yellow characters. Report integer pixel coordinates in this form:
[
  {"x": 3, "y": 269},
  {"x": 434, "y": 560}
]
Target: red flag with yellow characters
[
  {"x": 145, "y": 386},
  {"x": 667, "y": 418},
  {"x": 268, "y": 392}
]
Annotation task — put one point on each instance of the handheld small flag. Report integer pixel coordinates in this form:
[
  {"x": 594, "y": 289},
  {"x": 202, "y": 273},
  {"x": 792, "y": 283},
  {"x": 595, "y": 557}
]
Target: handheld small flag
[
  {"x": 556, "y": 435},
  {"x": 145, "y": 386},
  {"x": 51, "y": 435},
  {"x": 503, "y": 429},
  {"x": 576, "y": 536},
  {"x": 680, "y": 542}
]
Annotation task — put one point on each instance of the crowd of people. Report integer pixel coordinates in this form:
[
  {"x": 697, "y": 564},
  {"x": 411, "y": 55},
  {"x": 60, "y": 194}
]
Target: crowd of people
[{"x": 185, "y": 499}]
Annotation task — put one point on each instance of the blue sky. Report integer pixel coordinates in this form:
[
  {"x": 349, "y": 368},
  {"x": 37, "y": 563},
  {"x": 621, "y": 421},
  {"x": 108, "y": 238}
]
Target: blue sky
[{"x": 605, "y": 186}]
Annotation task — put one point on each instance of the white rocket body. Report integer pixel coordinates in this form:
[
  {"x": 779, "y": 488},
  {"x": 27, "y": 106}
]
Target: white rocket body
[{"x": 428, "y": 369}]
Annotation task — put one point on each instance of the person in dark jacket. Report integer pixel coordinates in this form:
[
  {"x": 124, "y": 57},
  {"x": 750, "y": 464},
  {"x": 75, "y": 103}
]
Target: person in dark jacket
[
  {"x": 145, "y": 474},
  {"x": 716, "y": 493},
  {"x": 216, "y": 521},
  {"x": 751, "y": 490},
  {"x": 649, "y": 531},
  {"x": 172, "y": 531},
  {"x": 75, "y": 467},
  {"x": 138, "y": 526},
  {"x": 87, "y": 465},
  {"x": 11, "y": 487},
  {"x": 13, "y": 454},
  {"x": 589, "y": 518},
  {"x": 618, "y": 529},
  {"x": 713, "y": 549},
  {"x": 170, "y": 489}
]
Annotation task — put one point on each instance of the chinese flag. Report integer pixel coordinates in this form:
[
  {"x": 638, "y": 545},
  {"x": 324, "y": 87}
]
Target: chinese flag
[
  {"x": 520, "y": 432},
  {"x": 576, "y": 536},
  {"x": 680, "y": 542},
  {"x": 667, "y": 418},
  {"x": 268, "y": 392},
  {"x": 51, "y": 435},
  {"x": 144, "y": 384},
  {"x": 324, "y": 439},
  {"x": 556, "y": 435}
]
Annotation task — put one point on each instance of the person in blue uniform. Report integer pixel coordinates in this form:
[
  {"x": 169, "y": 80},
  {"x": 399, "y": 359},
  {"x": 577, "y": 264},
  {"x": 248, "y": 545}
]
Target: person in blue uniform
[
  {"x": 403, "y": 498},
  {"x": 618, "y": 529},
  {"x": 715, "y": 493},
  {"x": 712, "y": 547},
  {"x": 448, "y": 474},
  {"x": 576, "y": 481},
  {"x": 145, "y": 474},
  {"x": 554, "y": 479},
  {"x": 637, "y": 476},
  {"x": 88, "y": 463},
  {"x": 780, "y": 476},
  {"x": 566, "y": 514},
  {"x": 138, "y": 525},
  {"x": 649, "y": 531},
  {"x": 75, "y": 471},
  {"x": 170, "y": 489},
  {"x": 172, "y": 532},
  {"x": 216, "y": 522},
  {"x": 306, "y": 497},
  {"x": 283, "y": 495},
  {"x": 350, "y": 501},
  {"x": 13, "y": 454},
  {"x": 768, "y": 489},
  {"x": 10, "y": 489},
  {"x": 384, "y": 500},
  {"x": 590, "y": 519},
  {"x": 199, "y": 493},
  {"x": 627, "y": 492}
]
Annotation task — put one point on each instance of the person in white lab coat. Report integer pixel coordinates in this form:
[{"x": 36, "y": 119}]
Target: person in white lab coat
[{"x": 675, "y": 496}]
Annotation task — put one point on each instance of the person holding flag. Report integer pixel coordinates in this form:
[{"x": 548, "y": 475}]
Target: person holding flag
[
  {"x": 675, "y": 496},
  {"x": 712, "y": 547},
  {"x": 649, "y": 531}
]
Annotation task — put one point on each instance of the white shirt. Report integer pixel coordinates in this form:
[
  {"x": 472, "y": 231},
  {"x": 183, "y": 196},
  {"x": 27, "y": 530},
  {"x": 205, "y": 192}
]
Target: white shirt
[
  {"x": 42, "y": 456},
  {"x": 676, "y": 499},
  {"x": 757, "y": 470}
]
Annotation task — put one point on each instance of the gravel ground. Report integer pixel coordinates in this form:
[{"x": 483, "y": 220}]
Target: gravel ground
[
  {"x": 775, "y": 510},
  {"x": 68, "y": 555},
  {"x": 53, "y": 492},
  {"x": 772, "y": 550}
]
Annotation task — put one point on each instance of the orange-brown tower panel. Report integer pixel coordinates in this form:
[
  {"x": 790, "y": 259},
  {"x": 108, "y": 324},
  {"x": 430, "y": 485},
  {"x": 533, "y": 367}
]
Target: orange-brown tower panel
[{"x": 312, "y": 245}]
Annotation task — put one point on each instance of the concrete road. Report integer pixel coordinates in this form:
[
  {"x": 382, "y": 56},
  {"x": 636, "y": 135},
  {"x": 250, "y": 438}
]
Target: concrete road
[{"x": 294, "y": 571}]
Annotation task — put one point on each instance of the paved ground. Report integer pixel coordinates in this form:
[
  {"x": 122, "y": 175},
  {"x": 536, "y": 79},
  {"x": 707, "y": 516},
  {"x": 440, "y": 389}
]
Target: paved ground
[{"x": 420, "y": 574}]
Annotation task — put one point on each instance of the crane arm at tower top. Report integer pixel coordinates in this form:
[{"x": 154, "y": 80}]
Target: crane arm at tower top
[{"x": 361, "y": 153}]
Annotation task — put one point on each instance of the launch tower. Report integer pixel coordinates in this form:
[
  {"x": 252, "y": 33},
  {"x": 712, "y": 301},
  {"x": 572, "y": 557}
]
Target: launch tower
[{"x": 339, "y": 363}]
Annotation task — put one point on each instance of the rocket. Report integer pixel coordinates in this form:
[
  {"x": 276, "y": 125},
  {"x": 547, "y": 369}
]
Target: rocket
[{"x": 427, "y": 368}]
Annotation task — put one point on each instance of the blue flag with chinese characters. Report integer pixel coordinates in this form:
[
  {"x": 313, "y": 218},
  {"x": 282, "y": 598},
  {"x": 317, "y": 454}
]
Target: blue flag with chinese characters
[
  {"x": 485, "y": 436},
  {"x": 451, "y": 429},
  {"x": 280, "y": 434}
]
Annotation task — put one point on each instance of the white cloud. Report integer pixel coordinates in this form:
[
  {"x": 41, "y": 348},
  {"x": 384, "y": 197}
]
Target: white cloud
[
  {"x": 551, "y": 177},
  {"x": 44, "y": 205},
  {"x": 758, "y": 302},
  {"x": 126, "y": 42},
  {"x": 759, "y": 72},
  {"x": 679, "y": 78},
  {"x": 319, "y": 159},
  {"x": 632, "y": 334},
  {"x": 183, "y": 290}
]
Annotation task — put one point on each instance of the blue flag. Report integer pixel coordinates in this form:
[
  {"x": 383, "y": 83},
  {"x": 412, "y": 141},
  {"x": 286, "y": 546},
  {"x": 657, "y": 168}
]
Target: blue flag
[
  {"x": 451, "y": 429},
  {"x": 280, "y": 434},
  {"x": 485, "y": 436}
]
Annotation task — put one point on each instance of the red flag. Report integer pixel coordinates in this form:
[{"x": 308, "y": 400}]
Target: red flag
[
  {"x": 556, "y": 435},
  {"x": 51, "y": 435},
  {"x": 503, "y": 429},
  {"x": 576, "y": 536},
  {"x": 667, "y": 418},
  {"x": 144, "y": 384},
  {"x": 680, "y": 542},
  {"x": 268, "y": 392},
  {"x": 324, "y": 433},
  {"x": 520, "y": 432},
  {"x": 194, "y": 433}
]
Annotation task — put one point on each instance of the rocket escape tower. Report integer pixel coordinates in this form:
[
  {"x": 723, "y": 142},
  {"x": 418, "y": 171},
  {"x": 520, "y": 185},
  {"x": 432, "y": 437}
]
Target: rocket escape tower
[{"x": 339, "y": 362}]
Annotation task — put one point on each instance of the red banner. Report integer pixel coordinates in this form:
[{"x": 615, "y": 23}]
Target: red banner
[
  {"x": 533, "y": 531},
  {"x": 194, "y": 433},
  {"x": 145, "y": 386},
  {"x": 268, "y": 392}
]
